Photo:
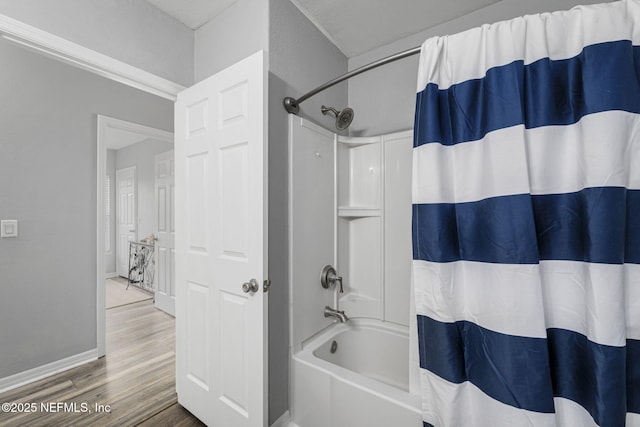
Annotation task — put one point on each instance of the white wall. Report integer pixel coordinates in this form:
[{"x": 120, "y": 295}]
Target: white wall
[
  {"x": 384, "y": 98},
  {"x": 48, "y": 183},
  {"x": 142, "y": 156},
  {"x": 132, "y": 31}
]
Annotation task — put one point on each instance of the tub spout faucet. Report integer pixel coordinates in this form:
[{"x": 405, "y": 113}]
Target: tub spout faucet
[{"x": 336, "y": 314}]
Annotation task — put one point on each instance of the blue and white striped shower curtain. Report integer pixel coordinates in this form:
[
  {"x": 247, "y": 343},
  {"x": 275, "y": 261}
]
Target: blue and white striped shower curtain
[{"x": 526, "y": 221}]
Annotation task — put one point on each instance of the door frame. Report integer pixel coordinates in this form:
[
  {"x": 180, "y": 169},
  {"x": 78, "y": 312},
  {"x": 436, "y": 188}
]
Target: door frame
[{"x": 105, "y": 125}]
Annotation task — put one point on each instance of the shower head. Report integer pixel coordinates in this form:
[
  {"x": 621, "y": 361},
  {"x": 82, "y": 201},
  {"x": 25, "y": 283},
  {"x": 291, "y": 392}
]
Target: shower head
[{"x": 343, "y": 118}]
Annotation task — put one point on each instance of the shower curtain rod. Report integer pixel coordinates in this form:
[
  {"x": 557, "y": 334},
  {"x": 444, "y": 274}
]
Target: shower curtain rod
[{"x": 293, "y": 105}]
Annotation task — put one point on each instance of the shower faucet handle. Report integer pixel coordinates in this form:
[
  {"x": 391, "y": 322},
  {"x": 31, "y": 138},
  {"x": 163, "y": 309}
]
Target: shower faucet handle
[
  {"x": 329, "y": 277},
  {"x": 339, "y": 279}
]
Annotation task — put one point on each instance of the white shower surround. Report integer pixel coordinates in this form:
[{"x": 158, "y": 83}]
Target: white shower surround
[{"x": 350, "y": 206}]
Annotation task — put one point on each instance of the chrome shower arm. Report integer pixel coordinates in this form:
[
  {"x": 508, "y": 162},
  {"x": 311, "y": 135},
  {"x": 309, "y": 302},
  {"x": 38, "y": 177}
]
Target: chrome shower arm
[{"x": 325, "y": 110}]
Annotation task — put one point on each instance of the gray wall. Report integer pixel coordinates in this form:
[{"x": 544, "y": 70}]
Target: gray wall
[
  {"x": 129, "y": 30},
  {"x": 142, "y": 156},
  {"x": 300, "y": 58},
  {"x": 303, "y": 58},
  {"x": 48, "y": 183},
  {"x": 239, "y": 31},
  {"x": 110, "y": 256},
  {"x": 384, "y": 98},
  {"x": 278, "y": 248}
]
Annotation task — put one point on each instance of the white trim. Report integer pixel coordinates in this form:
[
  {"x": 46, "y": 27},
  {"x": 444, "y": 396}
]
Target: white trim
[
  {"x": 87, "y": 59},
  {"x": 111, "y": 275},
  {"x": 106, "y": 122},
  {"x": 283, "y": 421},
  {"x": 101, "y": 172},
  {"x": 35, "y": 374}
]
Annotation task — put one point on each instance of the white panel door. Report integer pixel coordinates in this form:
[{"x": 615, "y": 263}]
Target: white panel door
[
  {"x": 221, "y": 181},
  {"x": 165, "y": 290},
  {"x": 126, "y": 224}
]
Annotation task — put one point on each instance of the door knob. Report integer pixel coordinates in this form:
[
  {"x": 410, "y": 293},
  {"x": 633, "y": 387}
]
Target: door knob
[{"x": 250, "y": 286}]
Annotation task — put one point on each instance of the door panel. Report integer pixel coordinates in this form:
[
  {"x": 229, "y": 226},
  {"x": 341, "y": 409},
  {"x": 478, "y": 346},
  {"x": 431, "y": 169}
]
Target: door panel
[
  {"x": 233, "y": 369},
  {"x": 221, "y": 180},
  {"x": 234, "y": 201},
  {"x": 197, "y": 190},
  {"x": 198, "y": 355}
]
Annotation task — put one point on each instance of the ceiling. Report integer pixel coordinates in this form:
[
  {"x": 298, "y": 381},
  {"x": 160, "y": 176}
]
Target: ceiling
[
  {"x": 192, "y": 13},
  {"x": 357, "y": 26},
  {"x": 354, "y": 26}
]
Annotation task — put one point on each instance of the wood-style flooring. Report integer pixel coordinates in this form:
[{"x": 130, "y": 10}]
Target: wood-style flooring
[
  {"x": 117, "y": 293},
  {"x": 136, "y": 379}
]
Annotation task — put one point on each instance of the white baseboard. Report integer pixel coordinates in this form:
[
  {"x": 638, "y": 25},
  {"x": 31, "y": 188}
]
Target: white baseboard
[
  {"x": 284, "y": 421},
  {"x": 35, "y": 374},
  {"x": 111, "y": 275}
]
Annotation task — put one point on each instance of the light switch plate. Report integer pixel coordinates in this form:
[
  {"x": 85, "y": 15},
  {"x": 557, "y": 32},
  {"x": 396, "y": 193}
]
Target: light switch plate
[{"x": 9, "y": 228}]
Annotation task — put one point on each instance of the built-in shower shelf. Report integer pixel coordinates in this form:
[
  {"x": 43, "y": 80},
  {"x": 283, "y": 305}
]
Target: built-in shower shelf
[{"x": 357, "y": 212}]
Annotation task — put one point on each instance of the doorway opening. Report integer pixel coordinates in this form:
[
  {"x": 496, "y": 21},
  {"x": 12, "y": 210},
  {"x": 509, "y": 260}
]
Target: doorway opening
[{"x": 134, "y": 210}]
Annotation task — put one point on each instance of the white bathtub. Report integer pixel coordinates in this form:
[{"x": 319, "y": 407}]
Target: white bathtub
[{"x": 364, "y": 383}]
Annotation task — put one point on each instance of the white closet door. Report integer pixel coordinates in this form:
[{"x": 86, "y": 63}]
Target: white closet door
[{"x": 127, "y": 217}]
